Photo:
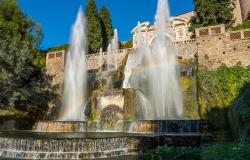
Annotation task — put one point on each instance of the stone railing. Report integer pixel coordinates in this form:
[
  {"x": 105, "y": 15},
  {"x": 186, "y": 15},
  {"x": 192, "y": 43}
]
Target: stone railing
[
  {"x": 220, "y": 29},
  {"x": 55, "y": 54},
  {"x": 240, "y": 34},
  {"x": 210, "y": 30},
  {"x": 105, "y": 53},
  {"x": 61, "y": 53},
  {"x": 185, "y": 41}
]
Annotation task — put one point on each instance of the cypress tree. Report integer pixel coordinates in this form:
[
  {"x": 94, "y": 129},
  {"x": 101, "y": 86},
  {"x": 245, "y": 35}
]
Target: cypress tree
[
  {"x": 107, "y": 28},
  {"x": 212, "y": 12},
  {"x": 93, "y": 27}
]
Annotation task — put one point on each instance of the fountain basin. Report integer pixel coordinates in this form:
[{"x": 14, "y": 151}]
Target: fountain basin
[
  {"x": 83, "y": 140},
  {"x": 88, "y": 145},
  {"x": 139, "y": 126}
]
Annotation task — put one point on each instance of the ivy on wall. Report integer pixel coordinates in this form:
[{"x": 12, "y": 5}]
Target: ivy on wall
[{"x": 217, "y": 91}]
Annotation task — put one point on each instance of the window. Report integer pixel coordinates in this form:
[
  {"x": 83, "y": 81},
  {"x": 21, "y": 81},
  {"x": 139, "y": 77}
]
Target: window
[{"x": 51, "y": 56}]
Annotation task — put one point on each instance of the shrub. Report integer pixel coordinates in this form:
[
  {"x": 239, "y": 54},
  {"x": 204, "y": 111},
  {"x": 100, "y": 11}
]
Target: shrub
[
  {"x": 218, "y": 151},
  {"x": 226, "y": 151},
  {"x": 245, "y": 25},
  {"x": 174, "y": 153},
  {"x": 217, "y": 90}
]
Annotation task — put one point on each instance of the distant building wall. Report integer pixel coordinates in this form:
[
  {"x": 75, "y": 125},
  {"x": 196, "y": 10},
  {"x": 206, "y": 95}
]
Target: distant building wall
[{"x": 217, "y": 47}]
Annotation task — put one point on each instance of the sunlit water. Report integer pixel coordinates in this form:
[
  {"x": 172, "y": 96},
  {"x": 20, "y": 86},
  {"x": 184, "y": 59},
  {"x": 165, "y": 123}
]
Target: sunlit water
[
  {"x": 113, "y": 47},
  {"x": 75, "y": 73},
  {"x": 153, "y": 69}
]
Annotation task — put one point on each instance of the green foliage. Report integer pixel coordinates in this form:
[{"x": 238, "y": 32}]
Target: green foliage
[
  {"x": 107, "y": 28},
  {"x": 212, "y": 12},
  {"x": 219, "y": 151},
  {"x": 59, "y": 48},
  {"x": 94, "y": 27},
  {"x": 226, "y": 151},
  {"x": 245, "y": 25},
  {"x": 239, "y": 114},
  {"x": 190, "y": 97},
  {"x": 174, "y": 153},
  {"x": 39, "y": 60},
  {"x": 22, "y": 83},
  {"x": 17, "y": 24},
  {"x": 217, "y": 89},
  {"x": 11, "y": 113},
  {"x": 125, "y": 45}
]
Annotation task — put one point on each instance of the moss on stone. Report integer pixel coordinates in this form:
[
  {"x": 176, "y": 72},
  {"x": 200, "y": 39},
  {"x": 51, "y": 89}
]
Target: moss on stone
[
  {"x": 191, "y": 110},
  {"x": 129, "y": 95}
]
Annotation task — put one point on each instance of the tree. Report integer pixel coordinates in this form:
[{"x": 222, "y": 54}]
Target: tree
[
  {"x": 59, "y": 48},
  {"x": 22, "y": 84},
  {"x": 107, "y": 28},
  {"x": 18, "y": 24},
  {"x": 128, "y": 44},
  {"x": 212, "y": 12},
  {"x": 94, "y": 27}
]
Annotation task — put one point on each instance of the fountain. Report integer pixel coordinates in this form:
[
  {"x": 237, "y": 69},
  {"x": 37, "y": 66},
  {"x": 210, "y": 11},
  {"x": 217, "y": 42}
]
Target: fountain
[
  {"x": 119, "y": 120},
  {"x": 75, "y": 73},
  {"x": 153, "y": 69}
]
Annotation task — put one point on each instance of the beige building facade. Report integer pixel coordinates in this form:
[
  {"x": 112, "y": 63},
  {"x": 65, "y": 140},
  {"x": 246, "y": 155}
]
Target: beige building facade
[{"x": 177, "y": 30}]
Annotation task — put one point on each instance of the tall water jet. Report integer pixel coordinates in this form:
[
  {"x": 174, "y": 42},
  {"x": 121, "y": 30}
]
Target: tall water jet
[
  {"x": 75, "y": 73},
  {"x": 113, "y": 48},
  {"x": 156, "y": 71}
]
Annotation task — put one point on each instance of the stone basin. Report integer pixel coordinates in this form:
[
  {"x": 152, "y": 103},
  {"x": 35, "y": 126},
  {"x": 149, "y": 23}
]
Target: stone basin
[
  {"x": 82, "y": 140},
  {"x": 139, "y": 126},
  {"x": 88, "y": 145}
]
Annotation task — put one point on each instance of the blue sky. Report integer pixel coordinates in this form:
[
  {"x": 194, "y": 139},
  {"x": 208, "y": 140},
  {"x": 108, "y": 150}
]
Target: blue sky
[{"x": 57, "y": 16}]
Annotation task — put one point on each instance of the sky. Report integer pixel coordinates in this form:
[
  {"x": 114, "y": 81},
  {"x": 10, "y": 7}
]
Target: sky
[{"x": 57, "y": 16}]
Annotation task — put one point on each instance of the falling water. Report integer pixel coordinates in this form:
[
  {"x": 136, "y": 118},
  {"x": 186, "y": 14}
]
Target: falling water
[
  {"x": 75, "y": 73},
  {"x": 113, "y": 47},
  {"x": 155, "y": 71},
  {"x": 101, "y": 59},
  {"x": 135, "y": 58}
]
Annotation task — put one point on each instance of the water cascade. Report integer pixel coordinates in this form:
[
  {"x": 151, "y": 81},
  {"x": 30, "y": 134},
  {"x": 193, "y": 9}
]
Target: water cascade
[
  {"x": 153, "y": 69},
  {"x": 75, "y": 73}
]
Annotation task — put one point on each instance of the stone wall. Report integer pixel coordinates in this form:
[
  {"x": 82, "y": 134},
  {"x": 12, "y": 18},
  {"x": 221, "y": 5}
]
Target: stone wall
[
  {"x": 55, "y": 62},
  {"x": 217, "y": 47},
  {"x": 55, "y": 66},
  {"x": 186, "y": 49},
  {"x": 96, "y": 61}
]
